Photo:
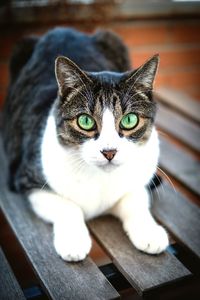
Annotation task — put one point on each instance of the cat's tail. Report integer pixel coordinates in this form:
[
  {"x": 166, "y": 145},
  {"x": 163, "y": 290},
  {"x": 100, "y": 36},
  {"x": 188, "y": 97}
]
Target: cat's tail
[
  {"x": 113, "y": 48},
  {"x": 20, "y": 56}
]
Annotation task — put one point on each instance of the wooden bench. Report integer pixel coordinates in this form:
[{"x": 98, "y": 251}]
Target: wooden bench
[{"x": 129, "y": 273}]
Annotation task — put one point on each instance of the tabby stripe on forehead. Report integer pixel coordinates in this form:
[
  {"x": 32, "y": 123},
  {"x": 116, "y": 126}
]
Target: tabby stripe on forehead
[
  {"x": 96, "y": 106},
  {"x": 114, "y": 100},
  {"x": 100, "y": 99}
]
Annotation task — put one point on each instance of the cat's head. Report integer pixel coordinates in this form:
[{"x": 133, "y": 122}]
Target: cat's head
[{"x": 106, "y": 117}]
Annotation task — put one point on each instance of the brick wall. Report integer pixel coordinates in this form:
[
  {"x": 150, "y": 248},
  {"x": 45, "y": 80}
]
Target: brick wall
[{"x": 177, "y": 41}]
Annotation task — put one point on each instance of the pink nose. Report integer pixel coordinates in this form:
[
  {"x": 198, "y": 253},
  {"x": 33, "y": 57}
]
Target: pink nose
[{"x": 109, "y": 154}]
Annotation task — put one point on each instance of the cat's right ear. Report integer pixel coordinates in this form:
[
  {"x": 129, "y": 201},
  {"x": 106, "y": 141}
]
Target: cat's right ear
[
  {"x": 69, "y": 76},
  {"x": 143, "y": 77}
]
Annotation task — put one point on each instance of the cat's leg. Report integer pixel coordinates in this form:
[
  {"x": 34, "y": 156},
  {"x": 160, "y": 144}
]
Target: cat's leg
[
  {"x": 71, "y": 237},
  {"x": 138, "y": 223}
]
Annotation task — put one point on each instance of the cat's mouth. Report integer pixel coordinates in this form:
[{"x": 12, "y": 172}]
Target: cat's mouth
[{"x": 109, "y": 166}]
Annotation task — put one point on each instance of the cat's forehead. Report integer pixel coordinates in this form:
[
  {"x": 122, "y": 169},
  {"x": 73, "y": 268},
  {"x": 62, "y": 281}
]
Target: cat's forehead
[
  {"x": 107, "y": 101},
  {"x": 106, "y": 89},
  {"x": 110, "y": 91}
]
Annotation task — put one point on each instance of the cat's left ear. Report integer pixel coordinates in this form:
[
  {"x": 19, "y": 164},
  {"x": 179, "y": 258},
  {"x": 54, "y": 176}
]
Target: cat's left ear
[
  {"x": 69, "y": 76},
  {"x": 144, "y": 76}
]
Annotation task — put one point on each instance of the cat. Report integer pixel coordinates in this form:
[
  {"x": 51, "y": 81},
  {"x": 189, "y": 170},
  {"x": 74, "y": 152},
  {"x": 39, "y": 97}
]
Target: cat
[{"x": 82, "y": 142}]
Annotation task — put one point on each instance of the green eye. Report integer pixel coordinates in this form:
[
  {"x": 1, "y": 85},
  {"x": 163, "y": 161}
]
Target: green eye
[
  {"x": 86, "y": 122},
  {"x": 129, "y": 121}
]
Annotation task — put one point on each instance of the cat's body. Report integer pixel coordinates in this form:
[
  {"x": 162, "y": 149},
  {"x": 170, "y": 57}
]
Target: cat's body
[
  {"x": 69, "y": 170},
  {"x": 34, "y": 89}
]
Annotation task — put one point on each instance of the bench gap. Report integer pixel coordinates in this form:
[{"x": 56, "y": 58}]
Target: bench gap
[
  {"x": 178, "y": 142},
  {"x": 179, "y": 186},
  {"x": 19, "y": 263},
  {"x": 110, "y": 271},
  {"x": 177, "y": 110}
]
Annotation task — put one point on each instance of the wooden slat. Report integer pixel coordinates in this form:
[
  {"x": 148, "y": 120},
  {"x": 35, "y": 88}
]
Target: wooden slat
[
  {"x": 182, "y": 166},
  {"x": 179, "y": 215},
  {"x": 178, "y": 126},
  {"x": 180, "y": 101},
  {"x": 61, "y": 280},
  {"x": 9, "y": 287},
  {"x": 143, "y": 271}
]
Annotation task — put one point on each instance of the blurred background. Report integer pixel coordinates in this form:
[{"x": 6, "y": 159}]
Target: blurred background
[{"x": 170, "y": 28}]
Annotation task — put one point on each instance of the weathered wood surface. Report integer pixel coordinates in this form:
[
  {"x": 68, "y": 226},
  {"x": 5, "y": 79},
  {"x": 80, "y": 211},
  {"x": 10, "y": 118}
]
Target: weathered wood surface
[
  {"x": 180, "y": 164},
  {"x": 60, "y": 280},
  {"x": 178, "y": 126},
  {"x": 180, "y": 101},
  {"x": 143, "y": 271},
  {"x": 9, "y": 287},
  {"x": 179, "y": 215}
]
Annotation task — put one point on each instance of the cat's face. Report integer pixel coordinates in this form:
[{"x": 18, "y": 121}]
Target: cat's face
[{"x": 107, "y": 117}]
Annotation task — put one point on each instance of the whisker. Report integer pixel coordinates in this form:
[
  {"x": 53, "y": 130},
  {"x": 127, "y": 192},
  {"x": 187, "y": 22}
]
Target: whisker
[
  {"x": 151, "y": 193},
  {"x": 42, "y": 188},
  {"x": 162, "y": 133},
  {"x": 156, "y": 189},
  {"x": 79, "y": 166},
  {"x": 161, "y": 185},
  {"x": 168, "y": 179}
]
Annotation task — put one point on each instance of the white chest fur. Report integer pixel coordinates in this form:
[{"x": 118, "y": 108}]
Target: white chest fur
[{"x": 93, "y": 189}]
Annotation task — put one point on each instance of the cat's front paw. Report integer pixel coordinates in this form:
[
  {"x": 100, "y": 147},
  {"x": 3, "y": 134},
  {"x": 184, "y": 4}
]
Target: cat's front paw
[
  {"x": 72, "y": 244},
  {"x": 149, "y": 239}
]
